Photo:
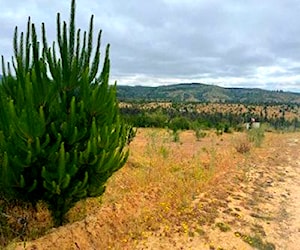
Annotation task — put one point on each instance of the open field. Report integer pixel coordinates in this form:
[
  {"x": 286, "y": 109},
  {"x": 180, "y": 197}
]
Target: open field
[{"x": 191, "y": 194}]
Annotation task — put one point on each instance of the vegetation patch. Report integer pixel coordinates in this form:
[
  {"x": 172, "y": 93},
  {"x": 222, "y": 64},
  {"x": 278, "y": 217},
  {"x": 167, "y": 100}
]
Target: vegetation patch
[
  {"x": 255, "y": 241},
  {"x": 261, "y": 216},
  {"x": 242, "y": 146},
  {"x": 256, "y": 136},
  {"x": 223, "y": 226}
]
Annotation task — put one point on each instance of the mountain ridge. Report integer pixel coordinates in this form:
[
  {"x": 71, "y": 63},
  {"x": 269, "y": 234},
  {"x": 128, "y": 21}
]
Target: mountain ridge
[{"x": 200, "y": 92}]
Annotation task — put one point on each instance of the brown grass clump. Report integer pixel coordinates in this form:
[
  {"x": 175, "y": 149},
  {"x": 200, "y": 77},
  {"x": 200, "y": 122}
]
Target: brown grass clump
[
  {"x": 242, "y": 145},
  {"x": 21, "y": 221}
]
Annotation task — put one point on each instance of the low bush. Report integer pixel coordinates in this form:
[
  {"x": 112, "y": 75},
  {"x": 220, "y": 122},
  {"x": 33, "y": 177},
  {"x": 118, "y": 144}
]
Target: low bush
[
  {"x": 242, "y": 146},
  {"x": 256, "y": 135}
]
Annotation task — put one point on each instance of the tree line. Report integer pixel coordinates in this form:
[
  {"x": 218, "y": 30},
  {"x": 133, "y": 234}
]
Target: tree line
[{"x": 179, "y": 117}]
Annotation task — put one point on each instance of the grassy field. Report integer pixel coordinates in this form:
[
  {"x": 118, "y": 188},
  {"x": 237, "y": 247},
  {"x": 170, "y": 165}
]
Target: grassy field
[{"x": 169, "y": 194}]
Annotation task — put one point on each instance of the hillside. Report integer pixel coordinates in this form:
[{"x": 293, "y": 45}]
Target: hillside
[{"x": 198, "y": 92}]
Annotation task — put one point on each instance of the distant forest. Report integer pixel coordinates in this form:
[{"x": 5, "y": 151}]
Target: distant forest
[
  {"x": 223, "y": 117},
  {"x": 195, "y": 105},
  {"x": 198, "y": 92}
]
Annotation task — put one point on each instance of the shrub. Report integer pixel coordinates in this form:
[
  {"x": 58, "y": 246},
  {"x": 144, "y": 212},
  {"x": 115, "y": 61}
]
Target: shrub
[
  {"x": 242, "y": 146},
  {"x": 61, "y": 136},
  {"x": 223, "y": 128},
  {"x": 199, "y": 133},
  {"x": 175, "y": 134},
  {"x": 256, "y": 135},
  {"x": 198, "y": 129},
  {"x": 179, "y": 123}
]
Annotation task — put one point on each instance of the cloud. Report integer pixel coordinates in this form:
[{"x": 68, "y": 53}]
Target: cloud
[{"x": 231, "y": 43}]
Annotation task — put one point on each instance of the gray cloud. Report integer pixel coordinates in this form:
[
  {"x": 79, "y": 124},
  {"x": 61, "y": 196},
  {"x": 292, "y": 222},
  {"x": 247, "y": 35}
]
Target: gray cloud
[{"x": 232, "y": 43}]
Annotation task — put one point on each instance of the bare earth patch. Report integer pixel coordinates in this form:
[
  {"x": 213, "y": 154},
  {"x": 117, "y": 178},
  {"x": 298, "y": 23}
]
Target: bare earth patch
[{"x": 193, "y": 195}]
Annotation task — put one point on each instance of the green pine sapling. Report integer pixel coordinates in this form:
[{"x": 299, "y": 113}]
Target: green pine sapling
[{"x": 61, "y": 134}]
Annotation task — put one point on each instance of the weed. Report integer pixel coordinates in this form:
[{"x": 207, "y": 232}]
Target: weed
[
  {"x": 261, "y": 216},
  {"x": 223, "y": 227},
  {"x": 255, "y": 241},
  {"x": 242, "y": 146},
  {"x": 21, "y": 221},
  {"x": 213, "y": 158},
  {"x": 259, "y": 229},
  {"x": 152, "y": 135},
  {"x": 200, "y": 231},
  {"x": 256, "y": 136},
  {"x": 199, "y": 133},
  {"x": 219, "y": 132},
  {"x": 175, "y": 135},
  {"x": 164, "y": 152}
]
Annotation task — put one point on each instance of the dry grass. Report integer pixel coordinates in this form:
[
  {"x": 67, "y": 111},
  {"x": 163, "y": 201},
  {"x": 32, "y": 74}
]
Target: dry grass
[
  {"x": 19, "y": 221},
  {"x": 242, "y": 145},
  {"x": 161, "y": 180},
  {"x": 153, "y": 193}
]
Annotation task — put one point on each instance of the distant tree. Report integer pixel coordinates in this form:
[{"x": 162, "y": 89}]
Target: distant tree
[{"x": 179, "y": 123}]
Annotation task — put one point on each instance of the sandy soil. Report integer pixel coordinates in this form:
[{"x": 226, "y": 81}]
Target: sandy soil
[
  {"x": 256, "y": 206},
  {"x": 261, "y": 211}
]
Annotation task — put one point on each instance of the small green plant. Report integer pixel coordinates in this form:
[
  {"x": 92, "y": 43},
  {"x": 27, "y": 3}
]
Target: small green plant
[
  {"x": 219, "y": 132},
  {"x": 256, "y": 241},
  {"x": 227, "y": 128},
  {"x": 152, "y": 142},
  {"x": 61, "y": 135},
  {"x": 199, "y": 133},
  {"x": 223, "y": 227},
  {"x": 256, "y": 135},
  {"x": 175, "y": 135},
  {"x": 219, "y": 129},
  {"x": 164, "y": 152}
]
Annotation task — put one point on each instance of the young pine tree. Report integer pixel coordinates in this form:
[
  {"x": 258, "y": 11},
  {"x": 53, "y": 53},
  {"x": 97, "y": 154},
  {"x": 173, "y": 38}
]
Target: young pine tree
[{"x": 61, "y": 136}]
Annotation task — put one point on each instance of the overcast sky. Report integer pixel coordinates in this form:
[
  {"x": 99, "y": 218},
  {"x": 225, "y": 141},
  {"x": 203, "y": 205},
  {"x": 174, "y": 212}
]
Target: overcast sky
[{"x": 230, "y": 43}]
